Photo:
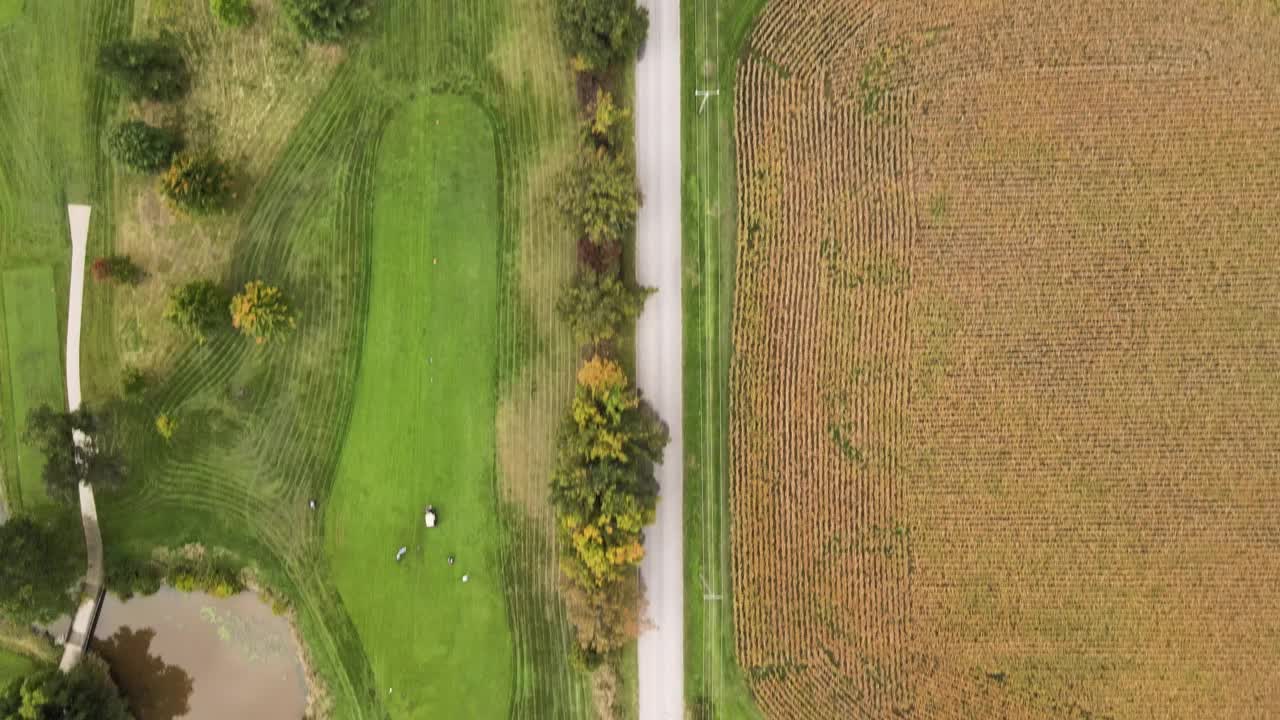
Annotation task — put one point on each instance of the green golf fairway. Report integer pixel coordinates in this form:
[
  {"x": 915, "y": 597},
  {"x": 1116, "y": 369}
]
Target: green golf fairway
[
  {"x": 422, "y": 430},
  {"x": 35, "y": 367}
]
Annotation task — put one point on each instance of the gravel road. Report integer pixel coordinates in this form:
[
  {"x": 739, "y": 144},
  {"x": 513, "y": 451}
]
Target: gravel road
[{"x": 659, "y": 346}]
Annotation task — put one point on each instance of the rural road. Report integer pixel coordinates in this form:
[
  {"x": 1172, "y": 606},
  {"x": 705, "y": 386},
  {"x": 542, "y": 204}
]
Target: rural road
[
  {"x": 86, "y": 613},
  {"x": 659, "y": 352}
]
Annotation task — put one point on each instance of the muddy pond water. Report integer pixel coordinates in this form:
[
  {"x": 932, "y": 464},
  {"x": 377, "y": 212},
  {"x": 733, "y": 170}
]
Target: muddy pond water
[{"x": 198, "y": 657}]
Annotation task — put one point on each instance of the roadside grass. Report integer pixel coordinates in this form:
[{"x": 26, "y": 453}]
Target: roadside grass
[
  {"x": 34, "y": 375},
  {"x": 714, "y": 35},
  {"x": 627, "y": 668},
  {"x": 422, "y": 427}
]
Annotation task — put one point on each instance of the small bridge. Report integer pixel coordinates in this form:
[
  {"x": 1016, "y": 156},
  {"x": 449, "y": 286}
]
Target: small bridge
[{"x": 80, "y": 634}]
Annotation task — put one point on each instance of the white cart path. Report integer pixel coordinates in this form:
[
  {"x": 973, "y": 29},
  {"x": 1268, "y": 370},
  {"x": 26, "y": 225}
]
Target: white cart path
[{"x": 87, "y": 613}]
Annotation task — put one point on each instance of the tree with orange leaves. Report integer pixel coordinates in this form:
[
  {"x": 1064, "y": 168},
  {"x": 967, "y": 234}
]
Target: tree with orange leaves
[{"x": 605, "y": 494}]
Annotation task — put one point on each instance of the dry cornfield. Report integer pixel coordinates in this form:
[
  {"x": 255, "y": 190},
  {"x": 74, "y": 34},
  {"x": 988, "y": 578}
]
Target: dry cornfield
[{"x": 1006, "y": 387}]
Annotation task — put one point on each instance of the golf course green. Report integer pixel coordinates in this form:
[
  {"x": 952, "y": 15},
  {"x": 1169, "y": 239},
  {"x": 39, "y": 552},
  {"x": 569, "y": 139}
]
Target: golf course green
[
  {"x": 422, "y": 429},
  {"x": 35, "y": 367}
]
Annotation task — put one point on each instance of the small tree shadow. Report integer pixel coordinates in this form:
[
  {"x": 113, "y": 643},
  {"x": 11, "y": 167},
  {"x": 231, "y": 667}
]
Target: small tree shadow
[{"x": 155, "y": 690}]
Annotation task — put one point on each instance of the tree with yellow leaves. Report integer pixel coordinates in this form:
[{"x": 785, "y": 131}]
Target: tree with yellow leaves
[
  {"x": 605, "y": 493},
  {"x": 261, "y": 312}
]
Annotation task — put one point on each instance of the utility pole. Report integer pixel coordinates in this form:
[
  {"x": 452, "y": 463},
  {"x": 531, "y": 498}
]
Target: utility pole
[{"x": 705, "y": 95}]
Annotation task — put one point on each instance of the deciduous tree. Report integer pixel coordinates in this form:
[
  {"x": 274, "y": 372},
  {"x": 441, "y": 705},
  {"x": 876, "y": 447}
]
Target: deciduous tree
[
  {"x": 145, "y": 69},
  {"x": 604, "y": 619},
  {"x": 37, "y": 573},
  {"x": 197, "y": 308},
  {"x": 77, "y": 448},
  {"x": 603, "y": 486},
  {"x": 261, "y": 312},
  {"x": 197, "y": 183},
  {"x": 142, "y": 147},
  {"x": 85, "y": 693},
  {"x": 598, "y": 306},
  {"x": 325, "y": 21},
  {"x": 600, "y": 198},
  {"x": 607, "y": 124},
  {"x": 599, "y": 34}
]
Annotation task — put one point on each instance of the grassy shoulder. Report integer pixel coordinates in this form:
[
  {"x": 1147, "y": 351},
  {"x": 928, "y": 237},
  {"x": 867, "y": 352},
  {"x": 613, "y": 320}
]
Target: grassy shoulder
[
  {"x": 422, "y": 429},
  {"x": 713, "y": 37}
]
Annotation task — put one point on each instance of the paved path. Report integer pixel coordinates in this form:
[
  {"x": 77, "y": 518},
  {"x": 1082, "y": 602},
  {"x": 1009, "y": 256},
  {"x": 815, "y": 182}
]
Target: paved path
[
  {"x": 87, "y": 613},
  {"x": 659, "y": 346}
]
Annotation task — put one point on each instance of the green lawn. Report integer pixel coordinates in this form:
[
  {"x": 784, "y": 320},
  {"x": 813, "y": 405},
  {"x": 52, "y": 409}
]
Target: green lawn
[
  {"x": 262, "y": 428},
  {"x": 714, "y": 34},
  {"x": 9, "y": 9},
  {"x": 423, "y": 425},
  {"x": 50, "y": 122},
  {"x": 34, "y": 369},
  {"x": 13, "y": 666}
]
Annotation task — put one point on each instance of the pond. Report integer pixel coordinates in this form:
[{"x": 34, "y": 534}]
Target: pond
[{"x": 198, "y": 657}]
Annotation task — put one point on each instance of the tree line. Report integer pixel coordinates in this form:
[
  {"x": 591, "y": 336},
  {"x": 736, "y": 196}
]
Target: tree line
[{"x": 603, "y": 486}]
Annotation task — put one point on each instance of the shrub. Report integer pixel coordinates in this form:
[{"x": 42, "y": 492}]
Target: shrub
[
  {"x": 604, "y": 619},
  {"x": 599, "y": 197},
  {"x": 607, "y": 124},
  {"x": 599, "y": 34},
  {"x": 142, "y": 147},
  {"x": 325, "y": 20},
  {"x": 133, "y": 382},
  {"x": 84, "y": 692},
  {"x": 166, "y": 425},
  {"x": 208, "y": 574},
  {"x": 127, "y": 576},
  {"x": 261, "y": 312},
  {"x": 118, "y": 269},
  {"x": 598, "y": 306},
  {"x": 197, "y": 183},
  {"x": 145, "y": 69},
  {"x": 197, "y": 308},
  {"x": 234, "y": 13}
]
